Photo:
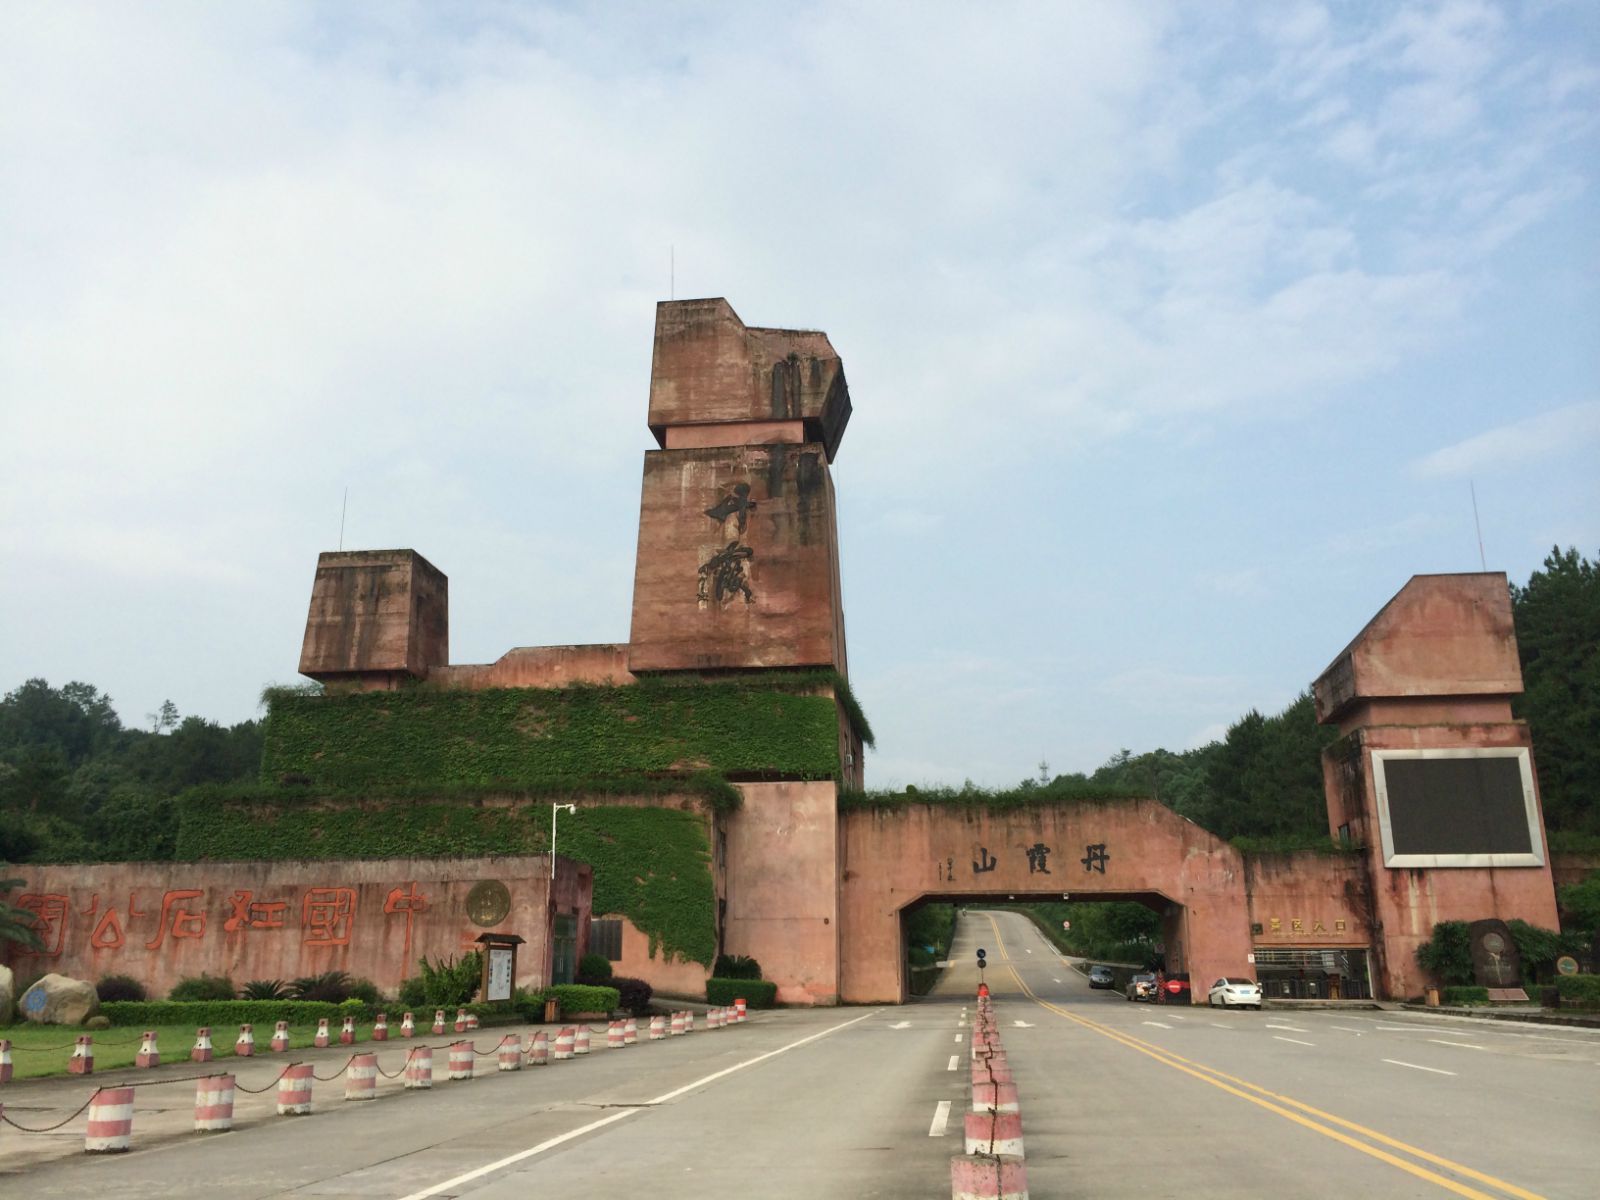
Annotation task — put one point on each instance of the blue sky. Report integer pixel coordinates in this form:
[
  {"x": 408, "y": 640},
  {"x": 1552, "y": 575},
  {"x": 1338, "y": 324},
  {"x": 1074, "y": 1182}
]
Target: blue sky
[{"x": 1176, "y": 333}]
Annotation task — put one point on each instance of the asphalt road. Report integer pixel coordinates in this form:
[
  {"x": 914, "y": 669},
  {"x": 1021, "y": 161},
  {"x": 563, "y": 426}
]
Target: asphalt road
[{"x": 1118, "y": 1099}]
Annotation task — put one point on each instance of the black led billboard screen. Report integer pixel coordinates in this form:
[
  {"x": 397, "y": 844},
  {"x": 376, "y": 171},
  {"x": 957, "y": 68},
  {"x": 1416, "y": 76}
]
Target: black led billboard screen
[{"x": 1441, "y": 806}]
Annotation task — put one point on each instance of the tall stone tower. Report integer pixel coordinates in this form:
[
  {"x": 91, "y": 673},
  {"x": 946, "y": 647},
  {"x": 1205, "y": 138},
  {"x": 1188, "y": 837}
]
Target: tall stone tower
[{"x": 738, "y": 561}]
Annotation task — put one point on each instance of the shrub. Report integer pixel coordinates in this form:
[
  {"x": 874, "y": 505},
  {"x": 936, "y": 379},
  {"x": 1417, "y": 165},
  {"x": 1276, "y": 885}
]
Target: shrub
[
  {"x": 1447, "y": 955},
  {"x": 265, "y": 989},
  {"x": 1464, "y": 995},
  {"x": 120, "y": 987},
  {"x": 756, "y": 993},
  {"x": 594, "y": 970},
  {"x": 412, "y": 993},
  {"x": 363, "y": 990},
  {"x": 633, "y": 994},
  {"x": 574, "y": 998},
  {"x": 331, "y": 987},
  {"x": 150, "y": 1013},
  {"x": 448, "y": 982},
  {"x": 1578, "y": 991},
  {"x": 920, "y": 956},
  {"x": 736, "y": 966},
  {"x": 199, "y": 988}
]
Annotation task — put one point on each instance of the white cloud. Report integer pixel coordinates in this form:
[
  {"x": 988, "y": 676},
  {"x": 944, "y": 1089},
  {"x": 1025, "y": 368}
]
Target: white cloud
[{"x": 1574, "y": 429}]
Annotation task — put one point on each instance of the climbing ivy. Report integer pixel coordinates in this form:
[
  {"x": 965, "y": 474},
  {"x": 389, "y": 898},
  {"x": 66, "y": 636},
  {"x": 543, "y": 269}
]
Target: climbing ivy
[
  {"x": 525, "y": 737},
  {"x": 651, "y": 864},
  {"x": 969, "y": 796}
]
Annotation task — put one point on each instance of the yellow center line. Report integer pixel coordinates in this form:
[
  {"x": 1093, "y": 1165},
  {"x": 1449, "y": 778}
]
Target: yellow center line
[{"x": 1281, "y": 1105}]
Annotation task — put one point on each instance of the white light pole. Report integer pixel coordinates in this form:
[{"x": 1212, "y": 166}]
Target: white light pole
[{"x": 550, "y": 893}]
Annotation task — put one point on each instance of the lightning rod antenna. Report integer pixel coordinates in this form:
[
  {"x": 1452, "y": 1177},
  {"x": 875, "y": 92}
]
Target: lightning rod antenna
[
  {"x": 1476, "y": 524},
  {"x": 672, "y": 273},
  {"x": 342, "y": 508}
]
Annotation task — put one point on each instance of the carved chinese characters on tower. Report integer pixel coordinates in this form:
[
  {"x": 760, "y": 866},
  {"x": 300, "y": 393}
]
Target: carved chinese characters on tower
[{"x": 724, "y": 576}]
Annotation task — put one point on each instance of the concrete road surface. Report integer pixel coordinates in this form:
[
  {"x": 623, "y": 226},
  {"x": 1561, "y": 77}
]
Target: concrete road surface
[{"x": 1118, "y": 1099}]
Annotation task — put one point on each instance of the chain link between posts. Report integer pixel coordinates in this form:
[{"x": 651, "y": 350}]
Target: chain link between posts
[{"x": 58, "y": 1124}]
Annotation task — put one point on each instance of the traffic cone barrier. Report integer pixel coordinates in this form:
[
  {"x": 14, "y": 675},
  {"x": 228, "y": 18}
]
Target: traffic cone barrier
[
  {"x": 472, "y": 1021},
  {"x": 739, "y": 1010},
  {"x": 630, "y": 1032},
  {"x": 213, "y": 1104},
  {"x": 614, "y": 1036},
  {"x": 580, "y": 1040},
  {"x": 994, "y": 1097},
  {"x": 408, "y": 1026},
  {"x": 658, "y": 1028},
  {"x": 510, "y": 1057},
  {"x": 202, "y": 1051},
  {"x": 82, "y": 1060},
  {"x": 461, "y": 1020},
  {"x": 347, "y": 1032},
  {"x": 438, "y": 1021},
  {"x": 988, "y": 1177},
  {"x": 676, "y": 1029},
  {"x": 245, "y": 1045},
  {"x": 149, "y": 1055},
  {"x": 994, "y": 1133},
  {"x": 280, "y": 1037},
  {"x": 321, "y": 1038}
]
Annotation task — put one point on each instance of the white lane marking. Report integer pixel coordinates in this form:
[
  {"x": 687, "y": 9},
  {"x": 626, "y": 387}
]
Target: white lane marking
[
  {"x": 1290, "y": 1028},
  {"x": 941, "y": 1118},
  {"x": 1347, "y": 1029},
  {"x": 1463, "y": 1045},
  {"x": 1053, "y": 979},
  {"x": 1177, "y": 1016},
  {"x": 1416, "y": 1067},
  {"x": 1402, "y": 1028},
  {"x": 1158, "y": 1024},
  {"x": 958, "y": 1039},
  {"x": 1222, "y": 1025},
  {"x": 954, "y": 1059},
  {"x": 1030, "y": 951},
  {"x": 1296, "y": 1041},
  {"x": 551, "y": 1143},
  {"x": 1023, "y": 1024},
  {"x": 901, "y": 1025}
]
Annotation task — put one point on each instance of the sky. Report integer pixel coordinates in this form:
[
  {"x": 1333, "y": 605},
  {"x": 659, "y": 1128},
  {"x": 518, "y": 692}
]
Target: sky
[{"x": 1179, "y": 336}]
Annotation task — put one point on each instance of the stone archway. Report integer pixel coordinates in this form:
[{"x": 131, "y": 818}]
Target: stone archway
[{"x": 893, "y": 856}]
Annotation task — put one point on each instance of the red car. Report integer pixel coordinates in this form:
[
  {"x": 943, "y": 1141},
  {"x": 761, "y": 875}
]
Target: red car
[{"x": 1175, "y": 989}]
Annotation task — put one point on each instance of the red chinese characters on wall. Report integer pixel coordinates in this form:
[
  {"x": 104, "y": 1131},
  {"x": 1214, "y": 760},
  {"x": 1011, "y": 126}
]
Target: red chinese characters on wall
[
  {"x": 408, "y": 901},
  {"x": 49, "y": 911},
  {"x": 250, "y": 913},
  {"x": 179, "y": 917},
  {"x": 327, "y": 915}
]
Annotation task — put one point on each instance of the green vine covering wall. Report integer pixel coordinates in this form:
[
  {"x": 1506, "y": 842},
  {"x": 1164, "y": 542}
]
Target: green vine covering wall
[
  {"x": 652, "y": 865},
  {"x": 535, "y": 736}
]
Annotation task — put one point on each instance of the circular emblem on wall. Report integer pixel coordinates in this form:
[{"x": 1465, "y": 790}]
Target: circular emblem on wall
[
  {"x": 1494, "y": 943},
  {"x": 1567, "y": 965},
  {"x": 488, "y": 902}
]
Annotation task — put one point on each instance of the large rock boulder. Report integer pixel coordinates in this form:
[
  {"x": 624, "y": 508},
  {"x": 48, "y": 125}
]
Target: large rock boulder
[
  {"x": 8, "y": 995},
  {"x": 58, "y": 1000}
]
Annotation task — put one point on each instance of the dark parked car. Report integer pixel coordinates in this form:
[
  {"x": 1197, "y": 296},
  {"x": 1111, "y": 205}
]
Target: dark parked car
[
  {"x": 1175, "y": 989},
  {"x": 1100, "y": 977}
]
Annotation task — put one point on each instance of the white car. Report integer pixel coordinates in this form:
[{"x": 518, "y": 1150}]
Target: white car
[{"x": 1233, "y": 992}]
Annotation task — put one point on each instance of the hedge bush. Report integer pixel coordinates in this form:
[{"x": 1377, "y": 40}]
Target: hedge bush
[
  {"x": 756, "y": 993},
  {"x": 594, "y": 969},
  {"x": 120, "y": 987},
  {"x": 576, "y": 998},
  {"x": 1578, "y": 991},
  {"x": 1464, "y": 995},
  {"x": 219, "y": 1014},
  {"x": 451, "y": 736},
  {"x": 202, "y": 987},
  {"x": 633, "y": 995}
]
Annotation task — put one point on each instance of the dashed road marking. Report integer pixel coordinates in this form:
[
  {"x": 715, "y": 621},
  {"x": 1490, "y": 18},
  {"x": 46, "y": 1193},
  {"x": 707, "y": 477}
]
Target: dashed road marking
[
  {"x": 1296, "y": 1041},
  {"x": 901, "y": 1025},
  {"x": 1417, "y": 1067},
  {"x": 941, "y": 1118},
  {"x": 1158, "y": 1024},
  {"x": 1290, "y": 1028},
  {"x": 954, "y": 1060},
  {"x": 958, "y": 1039},
  {"x": 1463, "y": 1045},
  {"x": 1347, "y": 1029}
]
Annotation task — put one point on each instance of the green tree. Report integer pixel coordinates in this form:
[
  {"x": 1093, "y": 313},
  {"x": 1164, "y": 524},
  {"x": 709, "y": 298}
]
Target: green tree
[
  {"x": 17, "y": 924},
  {"x": 1558, "y": 637}
]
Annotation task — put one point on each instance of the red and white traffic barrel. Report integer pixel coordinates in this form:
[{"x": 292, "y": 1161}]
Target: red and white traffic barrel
[
  {"x": 563, "y": 1047},
  {"x": 658, "y": 1028},
  {"x": 460, "y": 1060},
  {"x": 461, "y": 1020},
  {"x": 539, "y": 1050},
  {"x": 245, "y": 1045},
  {"x": 438, "y": 1021},
  {"x": 510, "y": 1056},
  {"x": 580, "y": 1040},
  {"x": 630, "y": 1032},
  {"x": 213, "y": 1104},
  {"x": 614, "y": 1036},
  {"x": 294, "y": 1090},
  {"x": 110, "y": 1127},
  {"x": 380, "y": 1028},
  {"x": 676, "y": 1029},
  {"x": 361, "y": 1077},
  {"x": 419, "y": 1068},
  {"x": 149, "y": 1053},
  {"x": 994, "y": 1133},
  {"x": 472, "y": 1021},
  {"x": 5, "y": 1060},
  {"x": 688, "y": 1020},
  {"x": 994, "y": 1097},
  {"x": 739, "y": 1010},
  {"x": 988, "y": 1177}
]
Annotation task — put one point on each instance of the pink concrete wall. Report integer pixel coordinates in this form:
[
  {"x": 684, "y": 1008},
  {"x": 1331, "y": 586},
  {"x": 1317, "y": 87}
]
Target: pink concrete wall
[
  {"x": 160, "y": 922},
  {"x": 893, "y": 858},
  {"x": 1308, "y": 899},
  {"x": 540, "y": 667},
  {"x": 782, "y": 887},
  {"x": 667, "y": 976}
]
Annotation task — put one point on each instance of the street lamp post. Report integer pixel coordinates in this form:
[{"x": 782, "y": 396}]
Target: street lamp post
[{"x": 550, "y": 894}]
